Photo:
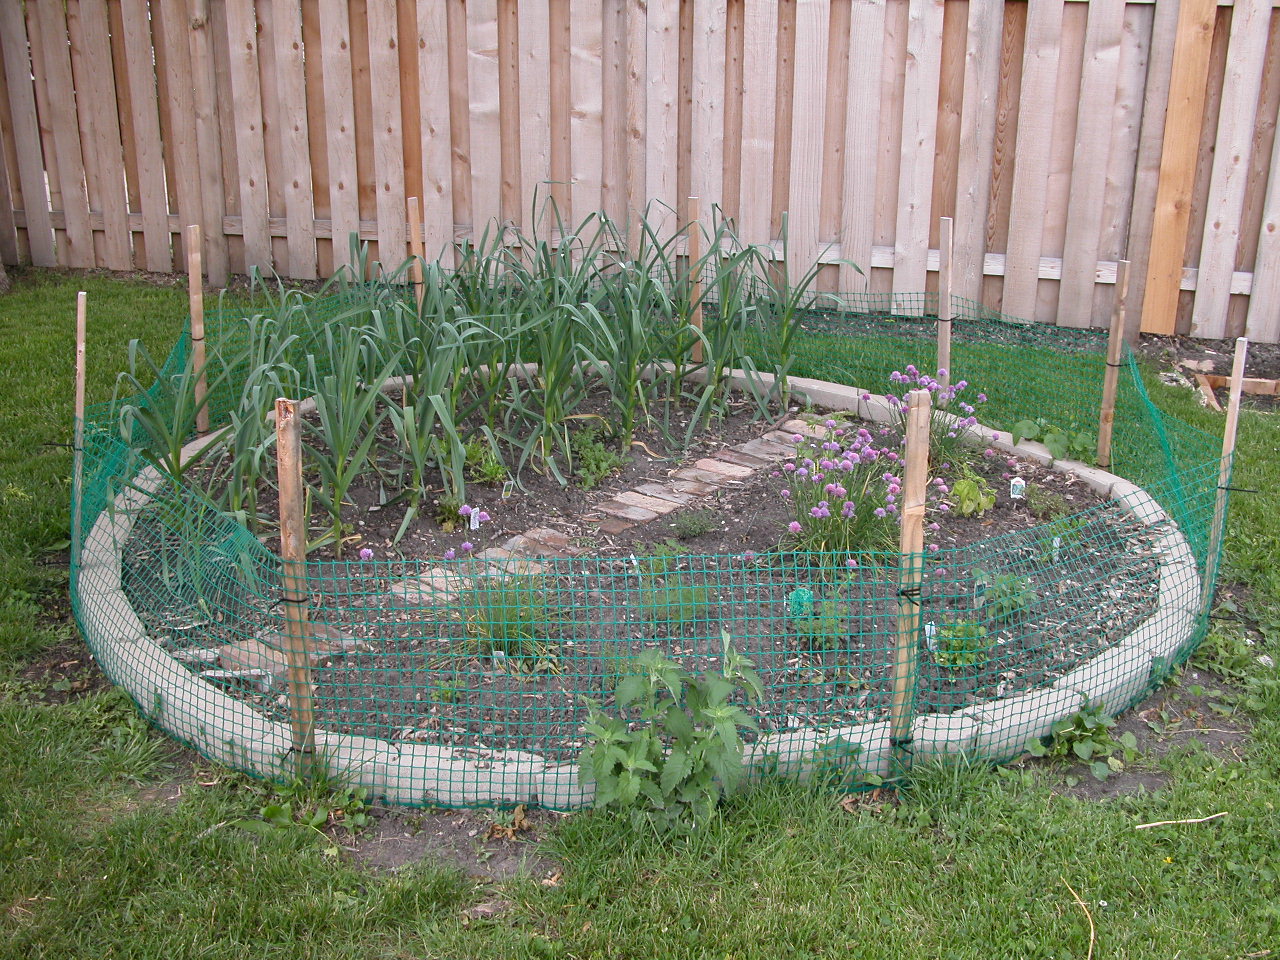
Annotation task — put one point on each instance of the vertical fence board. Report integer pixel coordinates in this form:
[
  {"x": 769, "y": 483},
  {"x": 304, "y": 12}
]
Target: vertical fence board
[
  {"x": 388, "y": 143},
  {"x": 1243, "y": 82},
  {"x": 1013, "y": 36},
  {"x": 919, "y": 131},
  {"x": 1031, "y": 168},
  {"x": 179, "y": 106},
  {"x": 892, "y": 85},
  {"x": 977, "y": 144},
  {"x": 65, "y": 128},
  {"x": 1263, "y": 323},
  {"x": 760, "y": 50},
  {"x": 295, "y": 142},
  {"x": 53, "y": 179},
  {"x": 613, "y": 160},
  {"x": 662, "y": 56},
  {"x": 585, "y": 93},
  {"x": 208, "y": 142},
  {"x": 731, "y": 185},
  {"x": 9, "y": 160},
  {"x": 146, "y": 128},
  {"x": 437, "y": 160},
  {"x": 804, "y": 192},
  {"x": 251, "y": 157},
  {"x": 482, "y": 86},
  {"x": 637, "y": 115},
  {"x": 946, "y": 149},
  {"x": 706, "y": 166},
  {"x": 535, "y": 117},
  {"x": 164, "y": 102},
  {"x": 26, "y": 134},
  {"x": 340, "y": 122},
  {"x": 1089, "y": 165},
  {"x": 509, "y": 111}
]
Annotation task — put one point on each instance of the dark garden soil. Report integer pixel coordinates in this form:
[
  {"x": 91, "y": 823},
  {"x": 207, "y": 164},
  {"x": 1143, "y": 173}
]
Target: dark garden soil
[{"x": 419, "y": 664}]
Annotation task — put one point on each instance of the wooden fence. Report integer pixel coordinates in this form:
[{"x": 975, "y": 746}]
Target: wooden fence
[{"x": 1060, "y": 136}]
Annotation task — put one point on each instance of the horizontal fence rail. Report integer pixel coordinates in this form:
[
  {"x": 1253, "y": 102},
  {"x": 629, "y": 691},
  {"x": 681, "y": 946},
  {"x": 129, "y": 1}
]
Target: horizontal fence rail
[{"x": 1061, "y": 137}]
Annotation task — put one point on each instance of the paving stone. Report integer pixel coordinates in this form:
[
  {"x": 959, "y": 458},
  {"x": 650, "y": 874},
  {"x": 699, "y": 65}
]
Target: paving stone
[
  {"x": 766, "y": 450},
  {"x": 614, "y": 525},
  {"x": 781, "y": 437},
  {"x": 323, "y": 639},
  {"x": 733, "y": 470},
  {"x": 697, "y": 488},
  {"x": 626, "y": 511},
  {"x": 730, "y": 455},
  {"x": 658, "y": 506},
  {"x": 434, "y": 585},
  {"x": 252, "y": 655},
  {"x": 715, "y": 480},
  {"x": 666, "y": 492},
  {"x": 550, "y": 543},
  {"x": 815, "y": 430},
  {"x": 510, "y": 565}
]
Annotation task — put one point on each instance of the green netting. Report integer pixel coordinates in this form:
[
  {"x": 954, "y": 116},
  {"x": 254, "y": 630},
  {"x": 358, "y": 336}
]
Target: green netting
[{"x": 461, "y": 682}]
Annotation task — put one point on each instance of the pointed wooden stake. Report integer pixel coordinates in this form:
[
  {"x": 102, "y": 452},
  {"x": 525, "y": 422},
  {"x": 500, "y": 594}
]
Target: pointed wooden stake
[
  {"x": 695, "y": 273},
  {"x": 946, "y": 311},
  {"x": 293, "y": 551},
  {"x": 416, "y": 248},
  {"x": 195, "y": 298},
  {"x": 1111, "y": 376},
  {"x": 915, "y": 479},
  {"x": 77, "y": 443},
  {"x": 1217, "y": 531}
]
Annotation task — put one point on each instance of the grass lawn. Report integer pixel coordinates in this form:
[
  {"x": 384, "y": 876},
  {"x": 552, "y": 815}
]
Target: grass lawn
[{"x": 115, "y": 844}]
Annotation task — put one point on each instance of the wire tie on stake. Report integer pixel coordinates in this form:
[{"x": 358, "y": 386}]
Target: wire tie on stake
[
  {"x": 285, "y": 599},
  {"x": 901, "y": 743},
  {"x": 1237, "y": 489},
  {"x": 910, "y": 593}
]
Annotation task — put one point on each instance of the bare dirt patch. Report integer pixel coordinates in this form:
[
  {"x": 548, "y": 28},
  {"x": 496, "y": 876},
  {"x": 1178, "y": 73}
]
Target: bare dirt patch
[{"x": 474, "y": 841}]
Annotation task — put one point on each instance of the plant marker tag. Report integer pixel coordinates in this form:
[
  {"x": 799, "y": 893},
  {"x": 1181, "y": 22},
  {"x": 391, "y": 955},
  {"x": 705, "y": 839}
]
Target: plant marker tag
[
  {"x": 1057, "y": 549},
  {"x": 931, "y": 636},
  {"x": 508, "y": 488},
  {"x": 979, "y": 594},
  {"x": 1017, "y": 488},
  {"x": 473, "y": 521}
]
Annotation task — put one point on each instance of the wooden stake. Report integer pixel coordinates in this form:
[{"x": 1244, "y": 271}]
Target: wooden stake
[
  {"x": 695, "y": 274},
  {"x": 195, "y": 297},
  {"x": 1111, "y": 377},
  {"x": 911, "y": 574},
  {"x": 945, "y": 310},
  {"x": 293, "y": 553},
  {"x": 1224, "y": 473},
  {"x": 416, "y": 248},
  {"x": 77, "y": 444}
]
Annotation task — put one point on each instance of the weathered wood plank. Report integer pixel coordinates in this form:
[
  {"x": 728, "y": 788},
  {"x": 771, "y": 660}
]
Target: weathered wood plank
[
  {"x": 1089, "y": 168},
  {"x": 1243, "y": 82},
  {"x": 295, "y": 138},
  {"x": 388, "y": 140},
  {"x": 246, "y": 112},
  {"x": 760, "y": 49},
  {"x": 437, "y": 162}
]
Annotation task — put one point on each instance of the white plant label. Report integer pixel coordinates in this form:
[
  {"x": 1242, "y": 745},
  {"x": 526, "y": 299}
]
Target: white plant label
[
  {"x": 473, "y": 521},
  {"x": 931, "y": 636},
  {"x": 979, "y": 595},
  {"x": 508, "y": 489},
  {"x": 1017, "y": 488},
  {"x": 1057, "y": 549}
]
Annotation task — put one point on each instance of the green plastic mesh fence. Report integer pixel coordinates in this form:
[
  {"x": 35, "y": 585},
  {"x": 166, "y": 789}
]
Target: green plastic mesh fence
[{"x": 461, "y": 682}]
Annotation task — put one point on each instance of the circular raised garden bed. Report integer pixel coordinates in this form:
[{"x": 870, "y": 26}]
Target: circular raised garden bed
[{"x": 415, "y": 703}]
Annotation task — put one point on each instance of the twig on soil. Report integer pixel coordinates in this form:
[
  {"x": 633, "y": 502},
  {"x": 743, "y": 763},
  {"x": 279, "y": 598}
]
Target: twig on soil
[
  {"x": 1166, "y": 823},
  {"x": 1088, "y": 916}
]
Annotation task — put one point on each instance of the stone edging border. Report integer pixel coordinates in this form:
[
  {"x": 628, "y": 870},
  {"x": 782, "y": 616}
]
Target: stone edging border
[{"x": 230, "y": 731}]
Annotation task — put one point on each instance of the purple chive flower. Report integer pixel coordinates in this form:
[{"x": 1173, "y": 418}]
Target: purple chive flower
[
  {"x": 484, "y": 517},
  {"x": 933, "y": 526},
  {"x": 450, "y": 554},
  {"x": 982, "y": 398},
  {"x": 786, "y": 494},
  {"x": 798, "y": 438},
  {"x": 988, "y": 453},
  {"x": 366, "y": 553},
  {"x": 794, "y": 526},
  {"x": 466, "y": 546},
  {"x": 933, "y": 548},
  {"x": 464, "y": 510},
  {"x": 851, "y": 563},
  {"x": 942, "y": 371},
  {"x": 879, "y": 511},
  {"x": 749, "y": 556}
]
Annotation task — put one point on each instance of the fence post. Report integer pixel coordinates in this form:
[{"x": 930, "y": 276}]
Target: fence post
[
  {"x": 416, "y": 248},
  {"x": 293, "y": 553},
  {"x": 195, "y": 299},
  {"x": 911, "y": 574},
  {"x": 1224, "y": 475},
  {"x": 945, "y": 311},
  {"x": 1111, "y": 378},
  {"x": 694, "y": 254},
  {"x": 77, "y": 444}
]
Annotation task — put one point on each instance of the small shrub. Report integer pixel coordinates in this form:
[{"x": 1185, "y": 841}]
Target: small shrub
[
  {"x": 823, "y": 628},
  {"x": 592, "y": 460},
  {"x": 1006, "y": 596},
  {"x": 1064, "y": 443},
  {"x": 662, "y": 558},
  {"x": 482, "y": 465},
  {"x": 962, "y": 643},
  {"x": 691, "y": 524},
  {"x": 1045, "y": 503},
  {"x": 675, "y": 746},
  {"x": 674, "y": 603},
  {"x": 971, "y": 494}
]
